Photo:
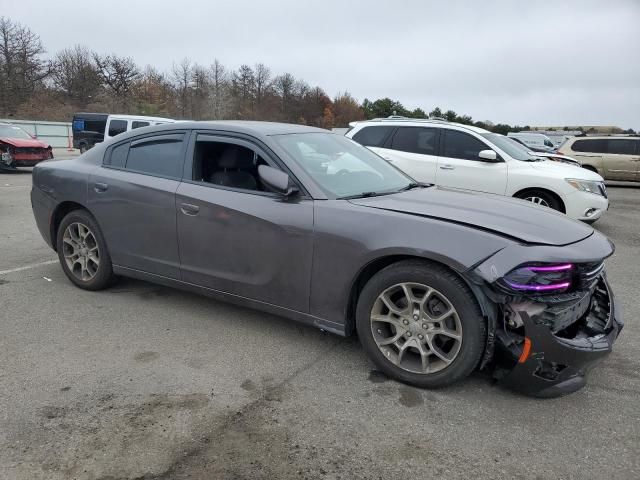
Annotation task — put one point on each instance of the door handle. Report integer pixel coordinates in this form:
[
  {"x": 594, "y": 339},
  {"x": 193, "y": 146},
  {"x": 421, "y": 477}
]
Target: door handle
[
  {"x": 100, "y": 187},
  {"x": 447, "y": 167},
  {"x": 189, "y": 209}
]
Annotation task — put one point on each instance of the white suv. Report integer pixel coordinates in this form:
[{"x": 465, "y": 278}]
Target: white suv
[{"x": 470, "y": 158}]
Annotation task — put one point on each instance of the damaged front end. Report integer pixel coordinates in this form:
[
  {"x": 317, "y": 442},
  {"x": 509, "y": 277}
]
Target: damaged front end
[{"x": 553, "y": 323}]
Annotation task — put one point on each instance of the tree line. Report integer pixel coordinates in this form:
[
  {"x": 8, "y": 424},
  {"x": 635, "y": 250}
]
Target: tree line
[{"x": 75, "y": 79}]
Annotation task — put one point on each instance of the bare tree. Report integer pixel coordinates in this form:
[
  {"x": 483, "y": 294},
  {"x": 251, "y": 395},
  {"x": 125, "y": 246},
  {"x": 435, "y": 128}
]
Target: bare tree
[
  {"x": 22, "y": 69},
  {"x": 243, "y": 91},
  {"x": 181, "y": 76},
  {"x": 119, "y": 75},
  {"x": 199, "y": 92},
  {"x": 283, "y": 86},
  {"x": 262, "y": 84},
  {"x": 75, "y": 75},
  {"x": 219, "y": 86}
]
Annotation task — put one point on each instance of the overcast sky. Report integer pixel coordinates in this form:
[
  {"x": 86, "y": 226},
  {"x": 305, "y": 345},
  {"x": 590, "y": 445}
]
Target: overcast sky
[{"x": 518, "y": 62}]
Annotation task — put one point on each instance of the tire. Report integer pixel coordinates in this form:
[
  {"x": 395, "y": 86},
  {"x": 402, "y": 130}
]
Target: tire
[
  {"x": 82, "y": 252},
  {"x": 411, "y": 367},
  {"x": 83, "y": 148},
  {"x": 540, "y": 197}
]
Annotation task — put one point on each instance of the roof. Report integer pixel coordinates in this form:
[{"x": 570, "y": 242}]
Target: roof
[
  {"x": 420, "y": 122},
  {"x": 253, "y": 128}
]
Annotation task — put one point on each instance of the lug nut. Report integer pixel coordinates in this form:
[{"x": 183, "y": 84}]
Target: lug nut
[
  {"x": 416, "y": 317},
  {"x": 380, "y": 331},
  {"x": 408, "y": 334},
  {"x": 420, "y": 336},
  {"x": 424, "y": 325},
  {"x": 406, "y": 322}
]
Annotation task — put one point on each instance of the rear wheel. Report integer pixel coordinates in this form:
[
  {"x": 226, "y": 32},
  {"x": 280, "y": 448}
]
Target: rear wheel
[
  {"x": 83, "y": 252},
  {"x": 541, "y": 197},
  {"x": 420, "y": 324}
]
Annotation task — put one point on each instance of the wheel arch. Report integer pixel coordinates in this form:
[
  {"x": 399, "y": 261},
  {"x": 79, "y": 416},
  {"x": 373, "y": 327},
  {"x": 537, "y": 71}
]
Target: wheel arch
[
  {"x": 545, "y": 190},
  {"x": 374, "y": 266},
  {"x": 61, "y": 210}
]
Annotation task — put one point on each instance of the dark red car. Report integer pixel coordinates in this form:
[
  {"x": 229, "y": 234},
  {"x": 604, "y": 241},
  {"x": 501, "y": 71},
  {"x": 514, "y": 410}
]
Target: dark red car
[{"x": 19, "y": 149}]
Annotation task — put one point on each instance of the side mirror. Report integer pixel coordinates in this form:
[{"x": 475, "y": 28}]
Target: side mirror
[
  {"x": 277, "y": 180},
  {"x": 488, "y": 155}
]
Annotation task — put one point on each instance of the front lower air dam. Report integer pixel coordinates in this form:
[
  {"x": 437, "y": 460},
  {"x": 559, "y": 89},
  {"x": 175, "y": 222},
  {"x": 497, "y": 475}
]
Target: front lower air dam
[{"x": 549, "y": 341}]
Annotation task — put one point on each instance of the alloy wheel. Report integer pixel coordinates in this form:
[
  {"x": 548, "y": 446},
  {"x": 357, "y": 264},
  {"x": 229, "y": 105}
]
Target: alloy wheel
[
  {"x": 416, "y": 328},
  {"x": 81, "y": 252},
  {"x": 538, "y": 201}
]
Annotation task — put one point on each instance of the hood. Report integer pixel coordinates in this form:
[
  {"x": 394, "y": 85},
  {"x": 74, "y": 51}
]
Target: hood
[
  {"x": 567, "y": 171},
  {"x": 24, "y": 142},
  {"x": 505, "y": 216}
]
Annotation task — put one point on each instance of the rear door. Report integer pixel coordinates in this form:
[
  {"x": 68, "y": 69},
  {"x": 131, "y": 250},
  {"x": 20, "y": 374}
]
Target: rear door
[
  {"x": 619, "y": 161},
  {"x": 459, "y": 165},
  {"x": 414, "y": 151},
  {"x": 132, "y": 195}
]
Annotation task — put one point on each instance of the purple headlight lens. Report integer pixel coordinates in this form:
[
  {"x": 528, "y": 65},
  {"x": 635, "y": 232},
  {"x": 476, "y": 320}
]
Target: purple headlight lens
[
  {"x": 540, "y": 278},
  {"x": 539, "y": 288}
]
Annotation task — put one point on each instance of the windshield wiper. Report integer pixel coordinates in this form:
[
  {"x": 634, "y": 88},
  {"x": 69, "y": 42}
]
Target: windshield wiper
[
  {"x": 413, "y": 185},
  {"x": 363, "y": 195}
]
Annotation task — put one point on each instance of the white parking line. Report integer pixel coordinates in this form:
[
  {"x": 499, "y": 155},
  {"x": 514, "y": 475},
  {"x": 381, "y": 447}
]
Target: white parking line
[{"x": 27, "y": 267}]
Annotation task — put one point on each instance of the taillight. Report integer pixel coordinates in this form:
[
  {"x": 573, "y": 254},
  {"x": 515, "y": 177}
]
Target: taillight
[{"x": 552, "y": 278}]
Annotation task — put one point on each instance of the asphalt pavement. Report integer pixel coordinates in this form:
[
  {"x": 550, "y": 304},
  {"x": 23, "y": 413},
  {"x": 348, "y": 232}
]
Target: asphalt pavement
[{"x": 145, "y": 382}]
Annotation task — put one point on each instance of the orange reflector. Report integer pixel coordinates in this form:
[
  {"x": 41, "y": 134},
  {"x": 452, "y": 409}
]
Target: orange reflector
[{"x": 526, "y": 350}]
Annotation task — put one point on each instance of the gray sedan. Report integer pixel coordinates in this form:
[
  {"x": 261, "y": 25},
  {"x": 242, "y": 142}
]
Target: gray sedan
[{"x": 312, "y": 226}]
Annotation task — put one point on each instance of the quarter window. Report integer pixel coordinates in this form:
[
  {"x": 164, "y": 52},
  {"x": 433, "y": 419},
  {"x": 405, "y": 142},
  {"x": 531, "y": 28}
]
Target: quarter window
[
  {"x": 373, "y": 136},
  {"x": 622, "y": 146},
  {"x": 415, "y": 140},
  {"x": 117, "y": 127},
  {"x": 157, "y": 156},
  {"x": 138, "y": 124},
  {"x": 462, "y": 145},
  {"x": 118, "y": 157}
]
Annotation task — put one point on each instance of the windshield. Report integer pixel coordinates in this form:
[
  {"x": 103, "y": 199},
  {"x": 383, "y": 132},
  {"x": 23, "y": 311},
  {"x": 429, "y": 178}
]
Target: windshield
[
  {"x": 11, "y": 131},
  {"x": 342, "y": 167},
  {"x": 510, "y": 146}
]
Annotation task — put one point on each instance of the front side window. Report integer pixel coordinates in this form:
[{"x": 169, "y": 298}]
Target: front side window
[
  {"x": 510, "y": 145},
  {"x": 228, "y": 165},
  {"x": 415, "y": 140},
  {"x": 462, "y": 145},
  {"x": 342, "y": 167},
  {"x": 622, "y": 146},
  {"x": 373, "y": 136},
  {"x": 117, "y": 127},
  {"x": 157, "y": 156}
]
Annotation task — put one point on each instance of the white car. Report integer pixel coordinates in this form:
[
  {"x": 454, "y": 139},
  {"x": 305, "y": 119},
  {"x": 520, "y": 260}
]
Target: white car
[{"x": 470, "y": 158}]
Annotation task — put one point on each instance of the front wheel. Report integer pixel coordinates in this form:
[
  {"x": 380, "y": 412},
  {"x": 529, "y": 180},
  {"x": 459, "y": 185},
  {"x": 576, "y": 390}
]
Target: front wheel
[
  {"x": 83, "y": 252},
  {"x": 420, "y": 324},
  {"x": 540, "y": 197}
]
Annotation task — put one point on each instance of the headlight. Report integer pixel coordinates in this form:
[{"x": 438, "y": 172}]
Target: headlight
[
  {"x": 585, "y": 185},
  {"x": 539, "y": 278}
]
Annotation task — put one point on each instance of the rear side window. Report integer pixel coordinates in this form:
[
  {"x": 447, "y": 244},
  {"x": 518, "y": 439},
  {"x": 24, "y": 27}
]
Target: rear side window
[
  {"x": 591, "y": 145},
  {"x": 162, "y": 156},
  {"x": 116, "y": 127},
  {"x": 622, "y": 146},
  {"x": 118, "y": 156},
  {"x": 373, "y": 136},
  {"x": 138, "y": 124},
  {"x": 415, "y": 140},
  {"x": 462, "y": 145}
]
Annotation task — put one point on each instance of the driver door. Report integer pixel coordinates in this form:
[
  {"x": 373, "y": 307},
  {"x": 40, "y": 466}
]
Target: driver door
[
  {"x": 459, "y": 165},
  {"x": 242, "y": 239}
]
